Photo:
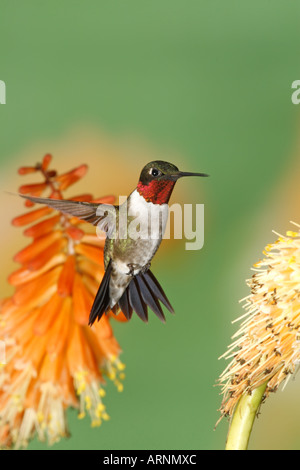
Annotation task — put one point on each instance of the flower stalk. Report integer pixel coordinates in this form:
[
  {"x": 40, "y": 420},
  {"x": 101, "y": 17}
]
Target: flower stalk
[{"x": 243, "y": 418}]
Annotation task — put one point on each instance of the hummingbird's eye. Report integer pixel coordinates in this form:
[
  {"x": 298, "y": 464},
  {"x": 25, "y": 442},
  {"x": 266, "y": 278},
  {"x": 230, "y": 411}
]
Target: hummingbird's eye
[{"x": 154, "y": 172}]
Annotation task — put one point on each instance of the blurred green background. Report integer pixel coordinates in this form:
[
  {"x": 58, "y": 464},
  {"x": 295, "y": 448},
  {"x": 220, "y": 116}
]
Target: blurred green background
[{"x": 208, "y": 86}]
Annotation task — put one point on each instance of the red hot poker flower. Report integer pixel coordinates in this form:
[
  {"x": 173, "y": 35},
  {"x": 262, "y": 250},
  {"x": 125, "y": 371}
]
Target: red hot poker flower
[{"x": 53, "y": 359}]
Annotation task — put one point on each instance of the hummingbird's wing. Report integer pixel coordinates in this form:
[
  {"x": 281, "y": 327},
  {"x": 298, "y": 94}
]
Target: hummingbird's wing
[{"x": 102, "y": 215}]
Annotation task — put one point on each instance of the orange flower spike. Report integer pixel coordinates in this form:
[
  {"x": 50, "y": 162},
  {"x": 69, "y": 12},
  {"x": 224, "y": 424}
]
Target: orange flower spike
[
  {"x": 30, "y": 217},
  {"x": 54, "y": 359},
  {"x": 66, "y": 278}
]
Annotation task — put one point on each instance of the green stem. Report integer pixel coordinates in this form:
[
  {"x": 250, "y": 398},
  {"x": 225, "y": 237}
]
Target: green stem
[{"x": 243, "y": 418}]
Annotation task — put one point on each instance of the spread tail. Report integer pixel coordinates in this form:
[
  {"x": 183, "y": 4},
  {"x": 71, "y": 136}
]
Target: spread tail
[{"x": 143, "y": 291}]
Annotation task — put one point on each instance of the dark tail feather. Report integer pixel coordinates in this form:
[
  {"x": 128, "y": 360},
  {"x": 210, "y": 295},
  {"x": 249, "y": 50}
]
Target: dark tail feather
[
  {"x": 144, "y": 291},
  {"x": 136, "y": 300},
  {"x": 102, "y": 299},
  {"x": 149, "y": 298},
  {"x": 157, "y": 290},
  {"x": 125, "y": 305}
]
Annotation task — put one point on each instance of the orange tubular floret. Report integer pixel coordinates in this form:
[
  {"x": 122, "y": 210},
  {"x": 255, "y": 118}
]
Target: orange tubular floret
[
  {"x": 45, "y": 257},
  {"x": 25, "y": 275},
  {"x": 105, "y": 200},
  {"x": 94, "y": 240},
  {"x": 71, "y": 177},
  {"x": 119, "y": 317},
  {"x": 94, "y": 270},
  {"x": 91, "y": 284},
  {"x": 50, "y": 369},
  {"x": 46, "y": 161},
  {"x": 28, "y": 203},
  {"x": 79, "y": 355},
  {"x": 36, "y": 247},
  {"x": 66, "y": 278},
  {"x": 34, "y": 189},
  {"x": 107, "y": 341},
  {"x": 35, "y": 289},
  {"x": 103, "y": 328},
  {"x": 41, "y": 228},
  {"x": 32, "y": 216},
  {"x": 82, "y": 198},
  {"x": 48, "y": 314},
  {"x": 57, "y": 336},
  {"x": 75, "y": 232},
  {"x": 34, "y": 350},
  {"x": 67, "y": 384},
  {"x": 82, "y": 301},
  {"x": 92, "y": 253},
  {"x": 25, "y": 170}
]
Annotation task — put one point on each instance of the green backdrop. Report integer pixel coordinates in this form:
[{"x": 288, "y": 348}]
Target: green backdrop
[{"x": 210, "y": 82}]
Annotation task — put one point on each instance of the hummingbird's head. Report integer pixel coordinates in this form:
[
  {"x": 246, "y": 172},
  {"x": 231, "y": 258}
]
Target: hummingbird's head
[{"x": 158, "y": 179}]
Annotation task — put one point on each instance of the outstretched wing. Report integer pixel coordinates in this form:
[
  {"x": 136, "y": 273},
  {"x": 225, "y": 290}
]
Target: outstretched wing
[{"x": 101, "y": 215}]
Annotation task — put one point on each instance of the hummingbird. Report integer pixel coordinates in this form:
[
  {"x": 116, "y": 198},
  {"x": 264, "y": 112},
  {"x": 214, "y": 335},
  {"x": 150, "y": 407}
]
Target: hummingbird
[{"x": 128, "y": 285}]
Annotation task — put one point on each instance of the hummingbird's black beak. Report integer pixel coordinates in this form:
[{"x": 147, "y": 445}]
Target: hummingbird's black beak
[{"x": 179, "y": 174}]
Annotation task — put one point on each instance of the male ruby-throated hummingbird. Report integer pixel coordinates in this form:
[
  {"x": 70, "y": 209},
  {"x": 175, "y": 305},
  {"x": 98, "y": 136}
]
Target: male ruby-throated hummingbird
[{"x": 128, "y": 284}]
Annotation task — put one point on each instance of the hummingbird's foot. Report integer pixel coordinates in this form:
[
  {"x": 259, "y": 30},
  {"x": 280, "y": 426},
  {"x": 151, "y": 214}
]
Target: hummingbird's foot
[
  {"x": 133, "y": 267},
  {"x": 145, "y": 268}
]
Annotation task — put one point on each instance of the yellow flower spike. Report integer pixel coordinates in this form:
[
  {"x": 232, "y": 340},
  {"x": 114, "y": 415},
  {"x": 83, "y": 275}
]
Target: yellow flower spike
[
  {"x": 102, "y": 392},
  {"x": 266, "y": 350},
  {"x": 81, "y": 415}
]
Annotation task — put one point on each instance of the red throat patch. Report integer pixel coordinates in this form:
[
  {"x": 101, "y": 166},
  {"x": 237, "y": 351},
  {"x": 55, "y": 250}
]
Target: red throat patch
[{"x": 158, "y": 192}]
